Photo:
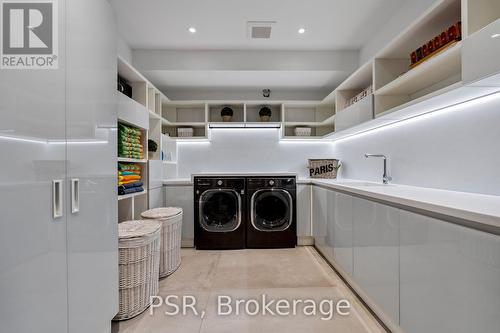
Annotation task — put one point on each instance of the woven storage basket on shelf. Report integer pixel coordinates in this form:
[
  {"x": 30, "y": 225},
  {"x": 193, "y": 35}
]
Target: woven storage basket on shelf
[
  {"x": 170, "y": 249},
  {"x": 139, "y": 261},
  {"x": 324, "y": 168}
]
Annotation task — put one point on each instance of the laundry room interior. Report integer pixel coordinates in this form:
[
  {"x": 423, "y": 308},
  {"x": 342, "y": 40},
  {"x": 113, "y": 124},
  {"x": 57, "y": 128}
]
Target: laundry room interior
[{"x": 254, "y": 166}]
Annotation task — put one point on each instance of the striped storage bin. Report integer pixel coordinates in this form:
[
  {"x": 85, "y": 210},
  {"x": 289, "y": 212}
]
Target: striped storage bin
[
  {"x": 139, "y": 262},
  {"x": 170, "y": 252}
]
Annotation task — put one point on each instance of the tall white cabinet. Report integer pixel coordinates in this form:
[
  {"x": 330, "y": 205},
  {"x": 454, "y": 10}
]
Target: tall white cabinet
[
  {"x": 92, "y": 233},
  {"x": 58, "y": 257}
]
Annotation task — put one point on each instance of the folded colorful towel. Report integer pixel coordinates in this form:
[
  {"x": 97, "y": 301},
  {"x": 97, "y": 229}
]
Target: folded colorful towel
[
  {"x": 128, "y": 173},
  {"x": 130, "y": 185},
  {"x": 123, "y": 191},
  {"x": 129, "y": 167}
]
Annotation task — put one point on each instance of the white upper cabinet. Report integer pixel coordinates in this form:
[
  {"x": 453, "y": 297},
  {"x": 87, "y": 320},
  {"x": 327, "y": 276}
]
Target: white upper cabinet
[{"x": 480, "y": 54}]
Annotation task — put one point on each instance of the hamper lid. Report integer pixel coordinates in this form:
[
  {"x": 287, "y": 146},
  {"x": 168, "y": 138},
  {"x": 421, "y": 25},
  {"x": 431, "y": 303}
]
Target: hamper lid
[
  {"x": 162, "y": 213},
  {"x": 137, "y": 228}
]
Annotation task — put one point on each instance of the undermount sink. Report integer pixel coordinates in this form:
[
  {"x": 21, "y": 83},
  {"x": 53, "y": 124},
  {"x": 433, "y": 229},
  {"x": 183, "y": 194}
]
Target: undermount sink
[{"x": 362, "y": 183}]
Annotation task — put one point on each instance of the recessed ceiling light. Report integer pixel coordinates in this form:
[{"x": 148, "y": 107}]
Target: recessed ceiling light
[
  {"x": 192, "y": 30},
  {"x": 302, "y": 31},
  {"x": 495, "y": 36}
]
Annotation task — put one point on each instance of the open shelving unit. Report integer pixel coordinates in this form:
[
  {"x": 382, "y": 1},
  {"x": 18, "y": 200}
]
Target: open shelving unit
[
  {"x": 397, "y": 86},
  {"x": 253, "y": 108},
  {"x": 184, "y": 114},
  {"x": 479, "y": 14},
  {"x": 143, "y": 110},
  {"x": 214, "y": 110},
  {"x": 319, "y": 117},
  {"x": 395, "y": 83}
]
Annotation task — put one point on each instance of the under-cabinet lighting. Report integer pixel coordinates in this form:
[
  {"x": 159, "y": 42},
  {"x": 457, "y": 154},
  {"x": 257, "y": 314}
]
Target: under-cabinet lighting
[
  {"x": 204, "y": 141},
  {"x": 245, "y": 126},
  {"x": 75, "y": 142},
  {"x": 427, "y": 115},
  {"x": 495, "y": 36},
  {"x": 52, "y": 142},
  {"x": 226, "y": 125},
  {"x": 315, "y": 141},
  {"x": 21, "y": 139}
]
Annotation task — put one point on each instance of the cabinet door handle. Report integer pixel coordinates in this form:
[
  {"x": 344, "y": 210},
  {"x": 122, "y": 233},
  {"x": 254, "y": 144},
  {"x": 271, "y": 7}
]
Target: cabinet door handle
[
  {"x": 57, "y": 198},
  {"x": 75, "y": 195}
]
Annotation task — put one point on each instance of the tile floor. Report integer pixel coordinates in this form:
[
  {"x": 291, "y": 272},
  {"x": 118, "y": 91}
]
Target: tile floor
[{"x": 291, "y": 274}]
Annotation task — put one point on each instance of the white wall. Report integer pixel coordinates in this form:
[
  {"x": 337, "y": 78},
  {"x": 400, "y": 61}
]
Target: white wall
[
  {"x": 458, "y": 149},
  {"x": 124, "y": 49},
  {"x": 248, "y": 150},
  {"x": 250, "y": 94}
]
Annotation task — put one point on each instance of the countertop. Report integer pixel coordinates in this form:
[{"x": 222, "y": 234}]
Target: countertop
[
  {"x": 189, "y": 181},
  {"x": 475, "y": 210}
]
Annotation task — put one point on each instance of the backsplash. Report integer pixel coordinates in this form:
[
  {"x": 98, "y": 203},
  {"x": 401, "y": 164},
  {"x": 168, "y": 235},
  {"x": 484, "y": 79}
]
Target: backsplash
[
  {"x": 248, "y": 150},
  {"x": 457, "y": 150}
]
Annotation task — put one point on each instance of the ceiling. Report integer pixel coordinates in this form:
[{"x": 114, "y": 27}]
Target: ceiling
[
  {"x": 331, "y": 25},
  {"x": 221, "y": 24}
]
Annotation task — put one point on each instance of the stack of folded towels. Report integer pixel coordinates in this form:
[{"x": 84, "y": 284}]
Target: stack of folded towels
[
  {"x": 129, "y": 178},
  {"x": 129, "y": 142}
]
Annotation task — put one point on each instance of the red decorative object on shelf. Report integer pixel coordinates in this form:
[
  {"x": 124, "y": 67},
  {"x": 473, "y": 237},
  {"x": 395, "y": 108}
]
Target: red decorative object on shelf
[{"x": 445, "y": 38}]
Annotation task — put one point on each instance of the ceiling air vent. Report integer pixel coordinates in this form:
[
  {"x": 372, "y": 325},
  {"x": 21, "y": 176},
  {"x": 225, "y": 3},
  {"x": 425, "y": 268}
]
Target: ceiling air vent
[{"x": 259, "y": 29}]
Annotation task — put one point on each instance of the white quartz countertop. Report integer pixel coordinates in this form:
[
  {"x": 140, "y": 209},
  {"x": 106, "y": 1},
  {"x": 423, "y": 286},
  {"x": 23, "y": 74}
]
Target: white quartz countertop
[
  {"x": 468, "y": 207},
  {"x": 245, "y": 174},
  {"x": 189, "y": 181},
  {"x": 476, "y": 208}
]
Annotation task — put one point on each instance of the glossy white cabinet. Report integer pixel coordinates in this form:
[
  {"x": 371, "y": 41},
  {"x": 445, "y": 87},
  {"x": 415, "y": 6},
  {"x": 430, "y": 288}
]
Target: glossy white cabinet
[
  {"x": 183, "y": 196},
  {"x": 450, "y": 277},
  {"x": 355, "y": 114},
  {"x": 156, "y": 197},
  {"x": 304, "y": 210},
  {"x": 376, "y": 254},
  {"x": 33, "y": 270},
  {"x": 480, "y": 55},
  {"x": 91, "y": 132},
  {"x": 343, "y": 232},
  {"x": 60, "y": 274},
  {"x": 320, "y": 219}
]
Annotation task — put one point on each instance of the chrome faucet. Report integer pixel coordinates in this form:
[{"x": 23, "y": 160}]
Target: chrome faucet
[{"x": 385, "y": 177}]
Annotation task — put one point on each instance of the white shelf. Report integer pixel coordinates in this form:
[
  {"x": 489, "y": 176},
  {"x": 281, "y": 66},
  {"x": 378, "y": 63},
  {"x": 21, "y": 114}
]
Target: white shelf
[
  {"x": 154, "y": 115},
  {"x": 328, "y": 122},
  {"x": 440, "y": 16},
  {"x": 182, "y": 124},
  {"x": 131, "y": 195},
  {"x": 439, "y": 67},
  {"x": 131, "y": 160},
  {"x": 424, "y": 98}
]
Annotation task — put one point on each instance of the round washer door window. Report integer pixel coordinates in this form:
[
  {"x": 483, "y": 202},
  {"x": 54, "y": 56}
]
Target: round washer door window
[
  {"x": 220, "y": 210},
  {"x": 271, "y": 210}
]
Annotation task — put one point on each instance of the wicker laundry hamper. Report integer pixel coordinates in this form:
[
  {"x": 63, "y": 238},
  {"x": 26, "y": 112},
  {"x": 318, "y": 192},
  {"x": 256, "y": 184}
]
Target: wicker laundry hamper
[
  {"x": 170, "y": 250},
  {"x": 139, "y": 262}
]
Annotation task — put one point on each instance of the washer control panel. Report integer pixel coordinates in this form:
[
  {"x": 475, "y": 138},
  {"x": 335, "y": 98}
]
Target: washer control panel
[{"x": 268, "y": 182}]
